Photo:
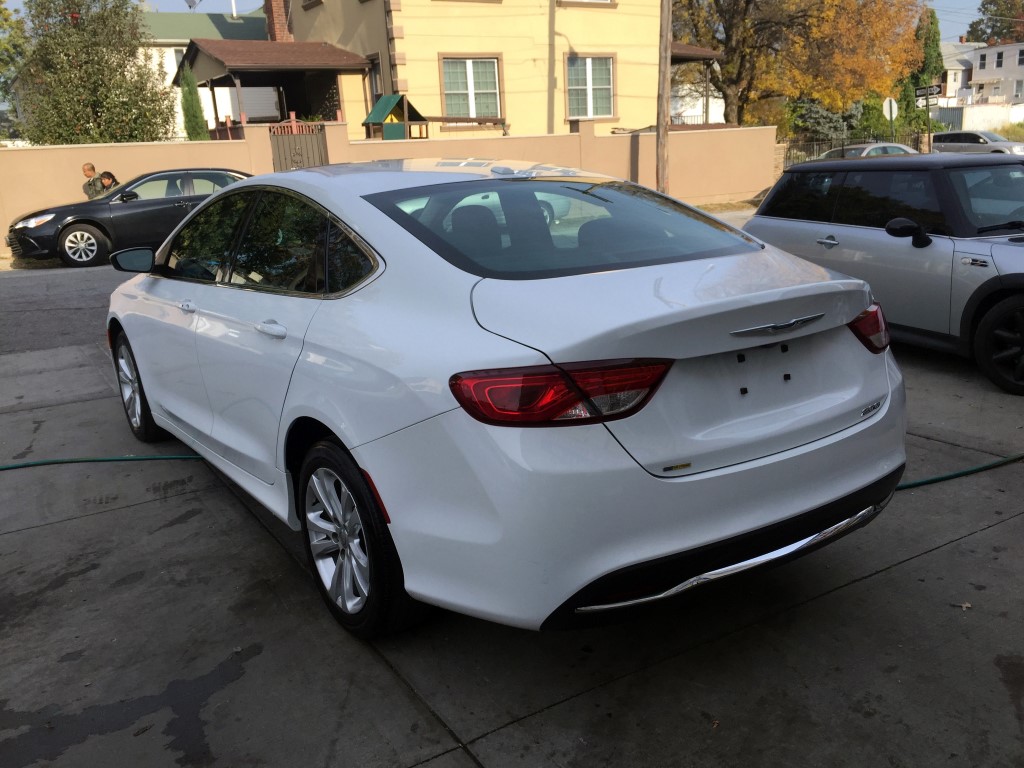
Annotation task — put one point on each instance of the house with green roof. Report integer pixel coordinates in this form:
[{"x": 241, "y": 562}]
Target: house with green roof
[{"x": 171, "y": 35}]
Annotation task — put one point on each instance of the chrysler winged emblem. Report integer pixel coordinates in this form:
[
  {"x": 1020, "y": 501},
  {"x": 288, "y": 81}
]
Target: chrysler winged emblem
[{"x": 773, "y": 328}]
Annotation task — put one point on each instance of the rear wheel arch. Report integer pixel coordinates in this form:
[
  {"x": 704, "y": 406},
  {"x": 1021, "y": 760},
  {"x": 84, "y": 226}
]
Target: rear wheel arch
[
  {"x": 303, "y": 434},
  {"x": 351, "y": 555}
]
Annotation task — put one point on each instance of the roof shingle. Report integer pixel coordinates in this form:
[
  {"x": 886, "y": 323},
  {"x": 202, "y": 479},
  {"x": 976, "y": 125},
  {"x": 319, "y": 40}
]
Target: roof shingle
[{"x": 266, "y": 55}]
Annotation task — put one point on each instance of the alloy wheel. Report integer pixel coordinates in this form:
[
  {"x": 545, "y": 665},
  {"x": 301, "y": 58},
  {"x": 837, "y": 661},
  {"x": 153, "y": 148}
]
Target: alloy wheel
[
  {"x": 128, "y": 382},
  {"x": 81, "y": 246},
  {"x": 336, "y": 540},
  {"x": 1007, "y": 347}
]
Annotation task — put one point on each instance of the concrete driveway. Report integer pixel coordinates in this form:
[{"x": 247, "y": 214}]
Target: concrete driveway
[{"x": 149, "y": 616}]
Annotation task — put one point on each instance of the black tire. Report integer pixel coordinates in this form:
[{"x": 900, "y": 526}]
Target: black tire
[
  {"x": 549, "y": 212},
  {"x": 82, "y": 245},
  {"x": 349, "y": 548},
  {"x": 999, "y": 345},
  {"x": 133, "y": 395}
]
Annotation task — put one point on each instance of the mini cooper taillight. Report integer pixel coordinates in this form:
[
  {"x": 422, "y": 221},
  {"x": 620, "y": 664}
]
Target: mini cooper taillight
[
  {"x": 872, "y": 330},
  {"x": 559, "y": 395}
]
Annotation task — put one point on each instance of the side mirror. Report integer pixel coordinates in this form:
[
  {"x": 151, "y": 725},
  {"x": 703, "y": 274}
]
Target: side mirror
[
  {"x": 133, "y": 260},
  {"x": 126, "y": 196},
  {"x": 982, "y": 140},
  {"x": 908, "y": 228}
]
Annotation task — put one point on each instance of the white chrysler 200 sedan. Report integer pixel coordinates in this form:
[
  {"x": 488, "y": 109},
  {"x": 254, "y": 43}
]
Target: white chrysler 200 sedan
[{"x": 463, "y": 402}]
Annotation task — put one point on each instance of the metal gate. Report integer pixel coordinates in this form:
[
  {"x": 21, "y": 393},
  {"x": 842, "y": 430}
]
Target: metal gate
[{"x": 298, "y": 145}]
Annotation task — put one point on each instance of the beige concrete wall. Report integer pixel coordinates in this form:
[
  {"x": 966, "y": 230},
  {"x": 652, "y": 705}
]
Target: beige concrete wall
[
  {"x": 704, "y": 166},
  {"x": 711, "y": 166}
]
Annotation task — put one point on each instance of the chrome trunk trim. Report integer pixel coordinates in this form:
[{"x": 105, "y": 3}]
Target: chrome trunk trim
[{"x": 773, "y": 328}]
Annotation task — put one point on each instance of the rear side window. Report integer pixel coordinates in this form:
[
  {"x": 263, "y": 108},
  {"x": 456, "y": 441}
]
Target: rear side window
[
  {"x": 208, "y": 182},
  {"x": 347, "y": 264},
  {"x": 805, "y": 195},
  {"x": 874, "y": 198},
  {"x": 529, "y": 228}
]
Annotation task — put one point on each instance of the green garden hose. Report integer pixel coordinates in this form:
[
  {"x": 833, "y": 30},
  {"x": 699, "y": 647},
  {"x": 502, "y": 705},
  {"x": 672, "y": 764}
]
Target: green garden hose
[{"x": 94, "y": 460}]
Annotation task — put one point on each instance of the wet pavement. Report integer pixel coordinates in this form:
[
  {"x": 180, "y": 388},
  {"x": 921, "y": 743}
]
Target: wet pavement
[{"x": 150, "y": 615}]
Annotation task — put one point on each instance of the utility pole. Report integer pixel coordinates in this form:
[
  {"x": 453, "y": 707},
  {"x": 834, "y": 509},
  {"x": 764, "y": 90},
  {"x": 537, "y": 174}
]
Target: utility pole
[{"x": 664, "y": 96}]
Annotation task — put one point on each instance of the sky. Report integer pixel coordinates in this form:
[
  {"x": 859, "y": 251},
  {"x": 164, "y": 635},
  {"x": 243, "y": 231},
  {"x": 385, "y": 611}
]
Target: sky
[{"x": 954, "y": 15}]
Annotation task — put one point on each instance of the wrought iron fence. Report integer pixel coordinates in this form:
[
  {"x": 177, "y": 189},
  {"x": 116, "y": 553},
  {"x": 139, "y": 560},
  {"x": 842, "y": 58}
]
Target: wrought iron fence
[
  {"x": 799, "y": 149},
  {"x": 687, "y": 119}
]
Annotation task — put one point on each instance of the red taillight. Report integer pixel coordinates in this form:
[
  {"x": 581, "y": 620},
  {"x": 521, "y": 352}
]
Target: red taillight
[
  {"x": 550, "y": 395},
  {"x": 872, "y": 330}
]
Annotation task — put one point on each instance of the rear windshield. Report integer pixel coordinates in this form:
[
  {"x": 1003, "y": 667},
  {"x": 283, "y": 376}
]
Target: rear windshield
[{"x": 537, "y": 228}]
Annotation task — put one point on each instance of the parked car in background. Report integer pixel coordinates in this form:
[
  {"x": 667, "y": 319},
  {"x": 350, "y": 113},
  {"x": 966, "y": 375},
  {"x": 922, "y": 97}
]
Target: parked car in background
[
  {"x": 940, "y": 239},
  {"x": 975, "y": 141},
  {"x": 532, "y": 422},
  {"x": 874, "y": 149},
  {"x": 140, "y": 213}
]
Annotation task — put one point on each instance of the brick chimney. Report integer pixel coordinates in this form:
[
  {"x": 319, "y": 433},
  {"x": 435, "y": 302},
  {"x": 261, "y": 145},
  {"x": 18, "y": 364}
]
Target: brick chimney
[{"x": 277, "y": 13}]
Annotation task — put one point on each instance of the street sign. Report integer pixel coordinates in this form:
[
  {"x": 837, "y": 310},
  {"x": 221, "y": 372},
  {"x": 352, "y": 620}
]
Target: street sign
[
  {"x": 931, "y": 101},
  {"x": 889, "y": 109},
  {"x": 928, "y": 90}
]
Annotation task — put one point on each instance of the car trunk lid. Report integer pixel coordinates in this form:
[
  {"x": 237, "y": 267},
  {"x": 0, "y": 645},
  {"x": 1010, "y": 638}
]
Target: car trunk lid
[{"x": 762, "y": 358}]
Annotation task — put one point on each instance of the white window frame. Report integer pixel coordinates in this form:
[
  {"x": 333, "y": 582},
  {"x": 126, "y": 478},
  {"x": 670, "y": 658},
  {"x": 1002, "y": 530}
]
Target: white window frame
[
  {"x": 590, "y": 87},
  {"x": 471, "y": 86},
  {"x": 1020, "y": 57},
  {"x": 999, "y": 59},
  {"x": 981, "y": 60},
  {"x": 1018, "y": 88}
]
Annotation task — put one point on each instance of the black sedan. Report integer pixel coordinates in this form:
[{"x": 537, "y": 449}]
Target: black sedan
[{"x": 140, "y": 213}]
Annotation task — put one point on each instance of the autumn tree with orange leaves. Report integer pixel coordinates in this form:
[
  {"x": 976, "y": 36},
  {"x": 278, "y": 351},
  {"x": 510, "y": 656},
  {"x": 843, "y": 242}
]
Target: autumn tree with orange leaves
[
  {"x": 834, "y": 51},
  {"x": 853, "y": 48}
]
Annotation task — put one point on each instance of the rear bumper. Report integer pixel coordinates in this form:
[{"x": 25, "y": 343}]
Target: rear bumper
[
  {"x": 518, "y": 525},
  {"x": 670, "y": 576}
]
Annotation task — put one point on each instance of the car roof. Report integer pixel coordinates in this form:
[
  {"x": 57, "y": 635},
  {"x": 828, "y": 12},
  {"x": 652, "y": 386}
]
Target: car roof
[
  {"x": 914, "y": 162},
  {"x": 184, "y": 170},
  {"x": 357, "y": 179}
]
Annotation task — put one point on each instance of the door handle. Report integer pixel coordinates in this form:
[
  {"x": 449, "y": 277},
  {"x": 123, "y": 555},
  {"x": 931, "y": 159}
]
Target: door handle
[
  {"x": 828, "y": 242},
  {"x": 272, "y": 328},
  {"x": 187, "y": 306}
]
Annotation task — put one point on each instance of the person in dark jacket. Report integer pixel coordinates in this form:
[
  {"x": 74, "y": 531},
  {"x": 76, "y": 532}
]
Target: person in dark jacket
[
  {"x": 93, "y": 187},
  {"x": 109, "y": 181}
]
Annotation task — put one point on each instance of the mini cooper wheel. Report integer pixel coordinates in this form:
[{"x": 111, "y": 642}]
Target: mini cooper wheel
[
  {"x": 133, "y": 396},
  {"x": 82, "y": 246},
  {"x": 350, "y": 551},
  {"x": 999, "y": 344}
]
